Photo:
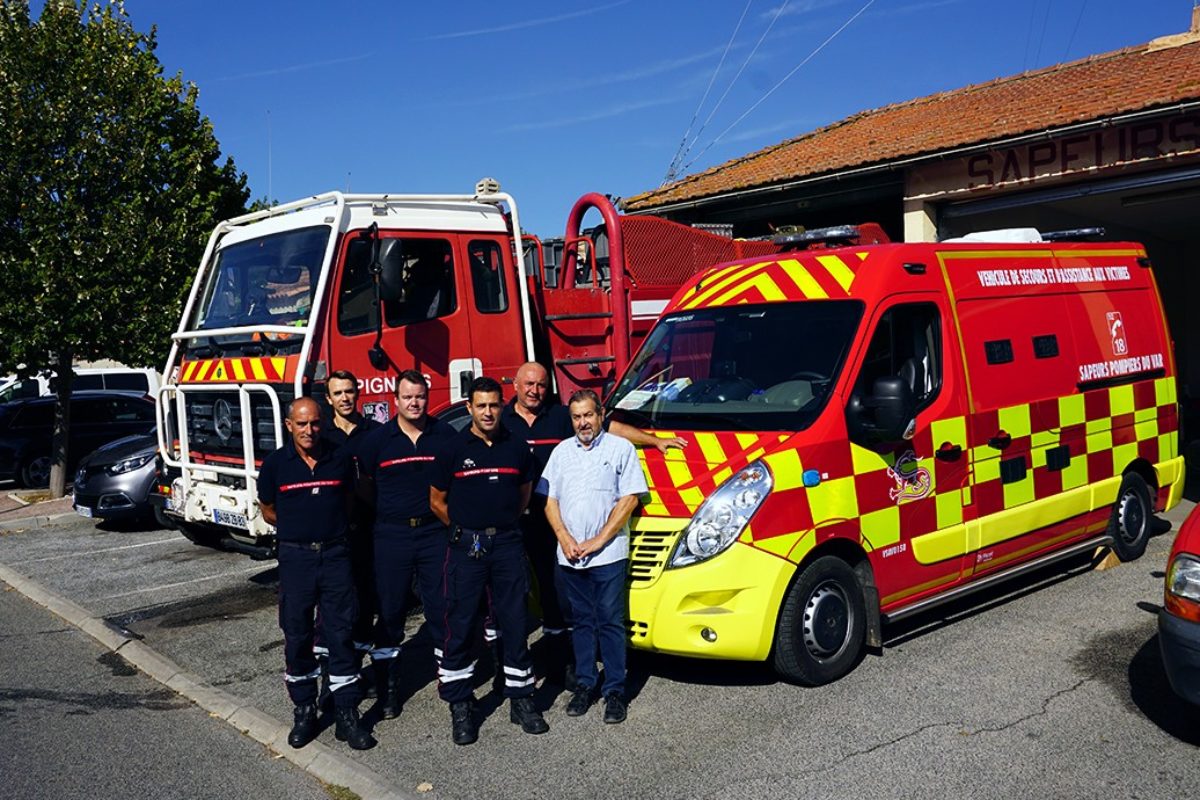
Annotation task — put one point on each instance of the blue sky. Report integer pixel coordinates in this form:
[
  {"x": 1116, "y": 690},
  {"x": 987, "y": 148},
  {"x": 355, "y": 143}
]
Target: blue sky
[{"x": 555, "y": 99}]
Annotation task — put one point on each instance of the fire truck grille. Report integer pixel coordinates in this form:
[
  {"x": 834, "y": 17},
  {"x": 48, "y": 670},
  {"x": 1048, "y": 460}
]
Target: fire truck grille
[
  {"x": 648, "y": 554},
  {"x": 215, "y": 425}
]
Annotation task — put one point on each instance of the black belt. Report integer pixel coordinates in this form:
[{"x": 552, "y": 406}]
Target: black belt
[
  {"x": 318, "y": 546},
  {"x": 412, "y": 522}
]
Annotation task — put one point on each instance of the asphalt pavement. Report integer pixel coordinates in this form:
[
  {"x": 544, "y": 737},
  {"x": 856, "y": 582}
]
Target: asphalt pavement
[
  {"x": 77, "y": 721},
  {"x": 1052, "y": 687}
]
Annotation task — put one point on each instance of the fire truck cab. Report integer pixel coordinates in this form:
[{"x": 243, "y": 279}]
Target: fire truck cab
[
  {"x": 374, "y": 284},
  {"x": 875, "y": 429}
]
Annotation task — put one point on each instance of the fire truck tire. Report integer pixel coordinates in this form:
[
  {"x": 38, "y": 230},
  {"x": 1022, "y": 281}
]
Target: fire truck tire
[
  {"x": 200, "y": 535},
  {"x": 1132, "y": 514},
  {"x": 823, "y": 624}
]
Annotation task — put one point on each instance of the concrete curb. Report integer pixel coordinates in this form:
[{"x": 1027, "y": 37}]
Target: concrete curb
[
  {"x": 317, "y": 759},
  {"x": 25, "y": 523}
]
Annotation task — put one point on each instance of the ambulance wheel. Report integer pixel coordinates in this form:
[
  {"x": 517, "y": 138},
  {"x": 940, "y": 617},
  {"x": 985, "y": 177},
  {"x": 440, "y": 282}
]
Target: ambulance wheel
[
  {"x": 1129, "y": 525},
  {"x": 822, "y": 625}
]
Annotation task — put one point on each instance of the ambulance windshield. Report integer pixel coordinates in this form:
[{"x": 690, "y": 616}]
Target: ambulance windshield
[
  {"x": 760, "y": 367},
  {"x": 265, "y": 281}
]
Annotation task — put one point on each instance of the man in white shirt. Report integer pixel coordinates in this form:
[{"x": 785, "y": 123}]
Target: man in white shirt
[{"x": 592, "y": 483}]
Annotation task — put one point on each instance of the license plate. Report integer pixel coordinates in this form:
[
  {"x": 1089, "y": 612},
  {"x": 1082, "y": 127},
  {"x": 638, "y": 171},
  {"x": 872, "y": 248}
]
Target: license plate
[
  {"x": 222, "y": 517},
  {"x": 83, "y": 511}
]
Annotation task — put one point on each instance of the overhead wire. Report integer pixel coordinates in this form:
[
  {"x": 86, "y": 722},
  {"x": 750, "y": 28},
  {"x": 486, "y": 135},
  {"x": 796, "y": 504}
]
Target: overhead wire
[
  {"x": 679, "y": 152},
  {"x": 742, "y": 69},
  {"x": 1074, "y": 30},
  {"x": 782, "y": 81}
]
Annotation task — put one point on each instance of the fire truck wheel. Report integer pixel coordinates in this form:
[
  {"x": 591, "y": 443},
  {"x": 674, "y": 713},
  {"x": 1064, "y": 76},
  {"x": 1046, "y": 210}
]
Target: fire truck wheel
[
  {"x": 200, "y": 535},
  {"x": 822, "y": 625},
  {"x": 1129, "y": 525}
]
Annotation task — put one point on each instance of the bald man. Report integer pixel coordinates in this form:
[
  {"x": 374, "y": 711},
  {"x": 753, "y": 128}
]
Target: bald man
[
  {"x": 305, "y": 489},
  {"x": 543, "y": 425}
]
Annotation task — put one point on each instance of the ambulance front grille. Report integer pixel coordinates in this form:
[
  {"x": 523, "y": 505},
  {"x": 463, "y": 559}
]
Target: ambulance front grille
[
  {"x": 637, "y": 630},
  {"x": 648, "y": 554}
]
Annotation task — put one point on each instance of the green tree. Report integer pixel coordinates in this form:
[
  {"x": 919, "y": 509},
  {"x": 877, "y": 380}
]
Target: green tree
[{"x": 110, "y": 182}]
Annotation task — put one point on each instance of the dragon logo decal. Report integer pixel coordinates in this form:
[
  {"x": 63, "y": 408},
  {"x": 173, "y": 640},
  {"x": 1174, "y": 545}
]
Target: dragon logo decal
[{"x": 912, "y": 482}]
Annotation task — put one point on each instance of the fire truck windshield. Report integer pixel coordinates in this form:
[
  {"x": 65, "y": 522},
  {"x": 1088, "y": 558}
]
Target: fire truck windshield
[
  {"x": 265, "y": 281},
  {"x": 747, "y": 367}
]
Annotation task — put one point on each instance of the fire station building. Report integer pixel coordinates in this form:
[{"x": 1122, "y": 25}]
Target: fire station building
[{"x": 1112, "y": 140}]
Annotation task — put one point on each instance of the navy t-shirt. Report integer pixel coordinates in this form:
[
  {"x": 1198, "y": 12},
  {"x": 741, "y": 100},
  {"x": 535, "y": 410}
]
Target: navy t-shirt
[
  {"x": 310, "y": 504},
  {"x": 402, "y": 469},
  {"x": 483, "y": 481},
  {"x": 551, "y": 426},
  {"x": 352, "y": 441}
]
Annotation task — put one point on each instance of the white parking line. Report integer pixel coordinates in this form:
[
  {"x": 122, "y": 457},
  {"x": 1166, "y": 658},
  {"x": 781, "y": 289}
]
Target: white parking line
[
  {"x": 258, "y": 568},
  {"x": 104, "y": 550}
]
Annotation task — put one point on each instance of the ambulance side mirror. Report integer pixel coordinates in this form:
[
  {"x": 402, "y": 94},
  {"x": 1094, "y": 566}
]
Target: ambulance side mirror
[
  {"x": 884, "y": 416},
  {"x": 894, "y": 408}
]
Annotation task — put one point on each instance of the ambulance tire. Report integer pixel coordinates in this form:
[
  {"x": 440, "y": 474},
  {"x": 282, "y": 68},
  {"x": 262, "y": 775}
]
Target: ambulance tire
[
  {"x": 823, "y": 624},
  {"x": 1132, "y": 515}
]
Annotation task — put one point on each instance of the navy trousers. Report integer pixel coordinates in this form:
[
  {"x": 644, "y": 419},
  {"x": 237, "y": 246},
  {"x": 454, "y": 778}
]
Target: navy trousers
[
  {"x": 541, "y": 546},
  {"x": 402, "y": 552},
  {"x": 501, "y": 570},
  {"x": 598, "y": 598},
  {"x": 311, "y": 579}
]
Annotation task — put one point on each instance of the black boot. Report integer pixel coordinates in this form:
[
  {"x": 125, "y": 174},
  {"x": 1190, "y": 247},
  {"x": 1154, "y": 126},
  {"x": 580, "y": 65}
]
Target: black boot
[
  {"x": 387, "y": 678},
  {"x": 522, "y": 712},
  {"x": 304, "y": 725},
  {"x": 462, "y": 723},
  {"x": 350, "y": 731}
]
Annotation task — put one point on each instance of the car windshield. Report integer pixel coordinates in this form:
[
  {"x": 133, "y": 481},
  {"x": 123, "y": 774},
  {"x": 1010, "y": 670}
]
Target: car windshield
[
  {"x": 747, "y": 367},
  {"x": 266, "y": 281}
]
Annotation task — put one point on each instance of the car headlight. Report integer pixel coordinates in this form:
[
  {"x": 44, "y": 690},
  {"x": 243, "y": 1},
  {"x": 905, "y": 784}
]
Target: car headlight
[
  {"x": 1183, "y": 578},
  {"x": 723, "y": 516},
  {"x": 129, "y": 464}
]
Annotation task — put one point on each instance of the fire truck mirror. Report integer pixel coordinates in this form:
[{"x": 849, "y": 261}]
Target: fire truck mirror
[{"x": 391, "y": 270}]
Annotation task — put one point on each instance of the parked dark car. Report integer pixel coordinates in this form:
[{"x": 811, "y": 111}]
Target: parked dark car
[
  {"x": 116, "y": 481},
  {"x": 97, "y": 418},
  {"x": 1179, "y": 621}
]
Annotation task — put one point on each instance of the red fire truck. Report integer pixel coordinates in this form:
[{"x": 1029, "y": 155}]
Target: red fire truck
[{"x": 380, "y": 283}]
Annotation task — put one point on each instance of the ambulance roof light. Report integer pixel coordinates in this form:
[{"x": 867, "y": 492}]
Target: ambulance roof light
[
  {"x": 837, "y": 233},
  {"x": 1073, "y": 234}
]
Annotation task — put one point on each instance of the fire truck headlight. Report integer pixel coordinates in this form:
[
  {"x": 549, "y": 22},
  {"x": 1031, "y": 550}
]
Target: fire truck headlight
[{"x": 723, "y": 516}]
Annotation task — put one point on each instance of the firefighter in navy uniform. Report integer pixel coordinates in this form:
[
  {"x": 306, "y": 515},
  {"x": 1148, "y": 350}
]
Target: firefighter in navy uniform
[
  {"x": 481, "y": 484},
  {"x": 395, "y": 462},
  {"x": 542, "y": 425},
  {"x": 305, "y": 490},
  {"x": 346, "y": 430}
]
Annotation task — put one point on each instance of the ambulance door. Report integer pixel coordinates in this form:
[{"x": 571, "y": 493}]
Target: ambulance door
[
  {"x": 912, "y": 489},
  {"x": 426, "y": 329},
  {"x": 1018, "y": 353}
]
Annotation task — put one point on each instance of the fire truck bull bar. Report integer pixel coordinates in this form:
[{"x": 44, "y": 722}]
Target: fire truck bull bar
[{"x": 206, "y": 505}]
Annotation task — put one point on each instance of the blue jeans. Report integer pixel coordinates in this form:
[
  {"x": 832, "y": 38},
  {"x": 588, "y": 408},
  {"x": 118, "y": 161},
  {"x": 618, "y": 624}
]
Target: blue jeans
[{"x": 598, "y": 598}]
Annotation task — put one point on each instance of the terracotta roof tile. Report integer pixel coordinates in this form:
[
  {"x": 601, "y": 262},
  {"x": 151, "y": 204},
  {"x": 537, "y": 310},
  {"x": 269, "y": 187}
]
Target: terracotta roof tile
[{"x": 1122, "y": 81}]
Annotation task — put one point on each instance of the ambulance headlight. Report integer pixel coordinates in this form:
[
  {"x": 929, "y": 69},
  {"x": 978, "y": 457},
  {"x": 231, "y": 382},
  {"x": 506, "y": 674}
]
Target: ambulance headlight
[{"x": 722, "y": 517}]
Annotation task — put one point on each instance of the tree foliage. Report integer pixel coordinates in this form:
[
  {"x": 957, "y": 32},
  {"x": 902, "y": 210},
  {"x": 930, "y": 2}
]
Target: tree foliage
[{"x": 111, "y": 183}]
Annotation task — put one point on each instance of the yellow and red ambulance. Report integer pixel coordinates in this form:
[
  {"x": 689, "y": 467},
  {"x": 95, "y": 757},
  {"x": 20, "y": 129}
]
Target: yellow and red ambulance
[{"x": 874, "y": 429}]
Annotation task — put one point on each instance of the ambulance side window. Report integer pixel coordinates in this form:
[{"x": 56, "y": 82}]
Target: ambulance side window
[{"x": 906, "y": 343}]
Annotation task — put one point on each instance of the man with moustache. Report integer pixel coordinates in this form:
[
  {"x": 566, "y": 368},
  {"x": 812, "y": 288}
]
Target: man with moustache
[
  {"x": 305, "y": 489},
  {"x": 592, "y": 484},
  {"x": 395, "y": 462}
]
